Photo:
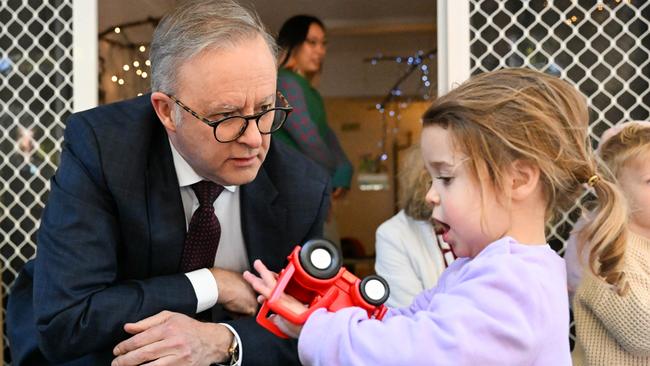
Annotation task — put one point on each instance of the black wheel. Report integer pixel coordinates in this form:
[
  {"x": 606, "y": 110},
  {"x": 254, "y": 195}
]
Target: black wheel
[
  {"x": 374, "y": 289},
  {"x": 320, "y": 258}
]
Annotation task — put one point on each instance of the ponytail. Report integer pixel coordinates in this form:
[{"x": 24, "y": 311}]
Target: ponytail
[{"x": 606, "y": 232}]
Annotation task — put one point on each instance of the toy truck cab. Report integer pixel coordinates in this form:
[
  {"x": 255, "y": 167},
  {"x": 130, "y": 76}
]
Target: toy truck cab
[{"x": 314, "y": 276}]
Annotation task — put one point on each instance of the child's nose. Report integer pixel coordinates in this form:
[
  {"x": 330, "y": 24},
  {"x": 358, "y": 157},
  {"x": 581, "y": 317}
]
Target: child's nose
[{"x": 432, "y": 197}]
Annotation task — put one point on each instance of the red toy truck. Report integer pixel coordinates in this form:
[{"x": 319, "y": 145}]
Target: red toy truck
[{"x": 314, "y": 276}]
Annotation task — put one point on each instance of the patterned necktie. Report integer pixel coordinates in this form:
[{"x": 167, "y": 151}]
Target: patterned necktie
[{"x": 204, "y": 230}]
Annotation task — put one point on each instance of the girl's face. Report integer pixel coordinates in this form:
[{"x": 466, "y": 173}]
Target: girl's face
[
  {"x": 469, "y": 221},
  {"x": 309, "y": 55},
  {"x": 634, "y": 179}
]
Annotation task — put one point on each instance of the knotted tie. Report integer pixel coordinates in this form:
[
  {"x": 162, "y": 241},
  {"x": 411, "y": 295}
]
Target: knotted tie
[{"x": 204, "y": 230}]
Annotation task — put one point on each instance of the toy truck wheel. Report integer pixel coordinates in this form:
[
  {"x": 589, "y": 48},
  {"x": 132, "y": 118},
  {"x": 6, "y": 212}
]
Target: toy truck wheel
[
  {"x": 374, "y": 289},
  {"x": 320, "y": 258}
]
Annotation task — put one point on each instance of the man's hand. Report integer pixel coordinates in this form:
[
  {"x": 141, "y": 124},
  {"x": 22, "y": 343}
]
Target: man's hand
[
  {"x": 265, "y": 284},
  {"x": 169, "y": 338},
  {"x": 235, "y": 294}
]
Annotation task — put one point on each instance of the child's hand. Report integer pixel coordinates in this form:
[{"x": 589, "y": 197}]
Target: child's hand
[{"x": 264, "y": 285}]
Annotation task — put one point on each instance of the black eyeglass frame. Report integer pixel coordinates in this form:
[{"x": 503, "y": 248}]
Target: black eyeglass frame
[{"x": 214, "y": 124}]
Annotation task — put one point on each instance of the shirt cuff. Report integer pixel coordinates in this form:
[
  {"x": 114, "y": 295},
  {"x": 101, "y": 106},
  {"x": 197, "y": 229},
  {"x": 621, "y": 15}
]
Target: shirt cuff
[
  {"x": 205, "y": 288},
  {"x": 238, "y": 355}
]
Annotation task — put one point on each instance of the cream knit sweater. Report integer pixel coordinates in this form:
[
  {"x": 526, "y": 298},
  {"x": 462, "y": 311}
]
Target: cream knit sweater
[{"x": 610, "y": 329}]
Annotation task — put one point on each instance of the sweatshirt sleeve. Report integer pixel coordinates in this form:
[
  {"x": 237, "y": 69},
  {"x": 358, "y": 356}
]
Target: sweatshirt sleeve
[
  {"x": 300, "y": 126},
  {"x": 494, "y": 309},
  {"x": 627, "y": 318},
  {"x": 343, "y": 172}
]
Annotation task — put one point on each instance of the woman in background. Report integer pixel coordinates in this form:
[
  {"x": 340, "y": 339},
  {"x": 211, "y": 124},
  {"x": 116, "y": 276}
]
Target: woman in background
[
  {"x": 302, "y": 42},
  {"x": 409, "y": 254}
]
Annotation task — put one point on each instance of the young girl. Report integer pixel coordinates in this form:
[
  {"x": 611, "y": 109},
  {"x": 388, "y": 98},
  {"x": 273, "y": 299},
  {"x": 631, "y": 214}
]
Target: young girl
[
  {"x": 613, "y": 328},
  {"x": 506, "y": 150}
]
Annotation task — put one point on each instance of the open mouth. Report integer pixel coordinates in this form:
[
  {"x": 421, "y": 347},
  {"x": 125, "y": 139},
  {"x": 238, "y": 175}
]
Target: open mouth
[{"x": 439, "y": 227}]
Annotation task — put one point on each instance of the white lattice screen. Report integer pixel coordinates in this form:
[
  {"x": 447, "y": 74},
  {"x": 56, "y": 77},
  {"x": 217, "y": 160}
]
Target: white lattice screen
[
  {"x": 36, "y": 95},
  {"x": 602, "y": 47}
]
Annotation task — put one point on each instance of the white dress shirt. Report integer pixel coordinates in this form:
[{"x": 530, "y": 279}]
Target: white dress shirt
[{"x": 231, "y": 253}]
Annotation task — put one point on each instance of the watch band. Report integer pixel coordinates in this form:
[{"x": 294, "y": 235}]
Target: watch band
[{"x": 233, "y": 351}]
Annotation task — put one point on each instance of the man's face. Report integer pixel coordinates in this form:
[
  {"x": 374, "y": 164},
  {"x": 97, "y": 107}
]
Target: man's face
[{"x": 218, "y": 83}]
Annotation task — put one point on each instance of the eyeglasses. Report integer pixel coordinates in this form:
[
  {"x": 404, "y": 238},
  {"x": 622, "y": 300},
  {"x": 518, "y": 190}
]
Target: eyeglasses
[{"x": 230, "y": 128}]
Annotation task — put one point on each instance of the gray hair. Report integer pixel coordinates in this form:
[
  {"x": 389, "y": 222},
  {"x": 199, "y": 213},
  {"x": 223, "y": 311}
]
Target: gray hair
[{"x": 197, "y": 25}]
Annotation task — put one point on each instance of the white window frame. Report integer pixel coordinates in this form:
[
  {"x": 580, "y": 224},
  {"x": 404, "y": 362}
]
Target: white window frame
[
  {"x": 84, "y": 55},
  {"x": 453, "y": 44}
]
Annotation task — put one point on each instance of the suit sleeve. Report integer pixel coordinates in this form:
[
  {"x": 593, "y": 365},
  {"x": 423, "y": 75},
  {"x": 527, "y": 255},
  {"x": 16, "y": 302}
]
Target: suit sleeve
[
  {"x": 81, "y": 305},
  {"x": 301, "y": 127},
  {"x": 303, "y": 130},
  {"x": 343, "y": 173}
]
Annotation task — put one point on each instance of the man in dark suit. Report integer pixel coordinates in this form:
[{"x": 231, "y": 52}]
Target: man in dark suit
[{"x": 116, "y": 278}]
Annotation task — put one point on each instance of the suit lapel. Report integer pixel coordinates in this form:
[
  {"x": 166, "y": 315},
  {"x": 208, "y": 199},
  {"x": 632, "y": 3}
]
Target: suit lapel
[
  {"x": 165, "y": 207},
  {"x": 263, "y": 220}
]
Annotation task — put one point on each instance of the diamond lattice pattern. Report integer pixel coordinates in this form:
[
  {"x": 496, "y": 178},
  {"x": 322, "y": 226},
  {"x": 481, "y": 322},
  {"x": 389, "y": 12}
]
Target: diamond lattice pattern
[
  {"x": 36, "y": 97},
  {"x": 602, "y": 47}
]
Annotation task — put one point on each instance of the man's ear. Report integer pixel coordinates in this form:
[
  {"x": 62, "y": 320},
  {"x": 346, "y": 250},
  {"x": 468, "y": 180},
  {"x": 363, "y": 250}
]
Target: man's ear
[
  {"x": 164, "y": 109},
  {"x": 525, "y": 179}
]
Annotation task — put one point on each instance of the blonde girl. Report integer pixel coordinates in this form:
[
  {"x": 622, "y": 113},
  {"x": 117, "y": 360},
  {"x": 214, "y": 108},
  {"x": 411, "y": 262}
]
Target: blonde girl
[
  {"x": 613, "y": 327},
  {"x": 506, "y": 151}
]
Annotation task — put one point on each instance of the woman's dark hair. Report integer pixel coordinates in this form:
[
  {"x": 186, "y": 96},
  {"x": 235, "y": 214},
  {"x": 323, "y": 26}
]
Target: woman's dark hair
[{"x": 294, "y": 32}]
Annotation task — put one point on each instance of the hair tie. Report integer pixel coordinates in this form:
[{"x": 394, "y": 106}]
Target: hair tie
[{"x": 593, "y": 180}]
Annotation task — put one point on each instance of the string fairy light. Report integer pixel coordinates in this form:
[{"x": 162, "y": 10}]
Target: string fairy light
[
  {"x": 135, "y": 71},
  {"x": 600, "y": 6},
  {"x": 416, "y": 63}
]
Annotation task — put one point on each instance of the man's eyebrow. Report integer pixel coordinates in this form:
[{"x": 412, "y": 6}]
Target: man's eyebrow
[
  {"x": 219, "y": 107},
  {"x": 266, "y": 100}
]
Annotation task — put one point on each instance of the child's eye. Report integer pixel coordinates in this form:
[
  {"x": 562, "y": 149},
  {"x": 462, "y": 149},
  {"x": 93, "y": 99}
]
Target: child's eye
[{"x": 445, "y": 180}]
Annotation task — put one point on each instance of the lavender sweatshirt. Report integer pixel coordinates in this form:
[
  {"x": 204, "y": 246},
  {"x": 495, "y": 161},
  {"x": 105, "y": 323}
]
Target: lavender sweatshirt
[{"x": 507, "y": 306}]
